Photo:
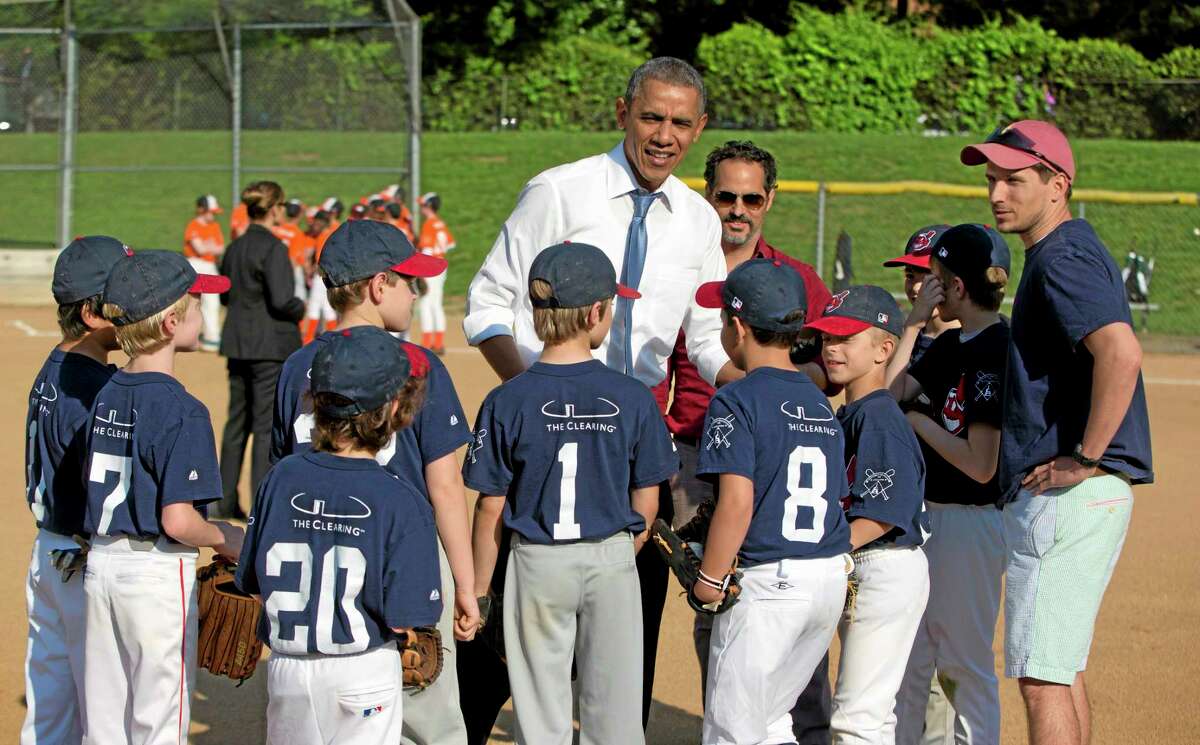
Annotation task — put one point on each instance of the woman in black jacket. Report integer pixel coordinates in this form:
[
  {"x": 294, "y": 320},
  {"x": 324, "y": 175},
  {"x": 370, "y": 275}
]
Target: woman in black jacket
[{"x": 260, "y": 332}]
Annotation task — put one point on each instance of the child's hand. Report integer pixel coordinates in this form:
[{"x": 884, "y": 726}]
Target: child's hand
[
  {"x": 707, "y": 594},
  {"x": 466, "y": 615},
  {"x": 231, "y": 546},
  {"x": 931, "y": 295}
]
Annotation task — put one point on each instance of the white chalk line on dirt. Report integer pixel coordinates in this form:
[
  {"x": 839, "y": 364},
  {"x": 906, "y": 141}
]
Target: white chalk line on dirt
[{"x": 28, "y": 330}]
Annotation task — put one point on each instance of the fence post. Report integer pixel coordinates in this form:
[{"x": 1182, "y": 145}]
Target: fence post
[
  {"x": 820, "y": 264},
  {"x": 67, "y": 154},
  {"x": 1083, "y": 210},
  {"x": 414, "y": 115},
  {"x": 236, "y": 115}
]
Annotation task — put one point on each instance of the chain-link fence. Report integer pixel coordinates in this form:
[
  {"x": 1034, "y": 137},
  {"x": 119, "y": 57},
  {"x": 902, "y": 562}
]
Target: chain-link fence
[{"x": 149, "y": 107}]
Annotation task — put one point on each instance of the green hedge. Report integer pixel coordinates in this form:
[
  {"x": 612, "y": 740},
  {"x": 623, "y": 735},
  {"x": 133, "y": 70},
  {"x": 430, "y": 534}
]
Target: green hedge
[{"x": 849, "y": 72}]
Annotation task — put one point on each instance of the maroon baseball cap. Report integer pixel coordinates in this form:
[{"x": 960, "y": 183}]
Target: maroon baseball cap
[
  {"x": 1021, "y": 145},
  {"x": 919, "y": 247}
]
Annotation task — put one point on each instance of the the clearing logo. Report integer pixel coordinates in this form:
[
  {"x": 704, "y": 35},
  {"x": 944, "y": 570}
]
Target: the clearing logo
[
  {"x": 41, "y": 388},
  {"x": 569, "y": 411},
  {"x": 576, "y": 421},
  {"x": 799, "y": 413},
  {"x": 318, "y": 509},
  {"x": 110, "y": 426},
  {"x": 719, "y": 431}
]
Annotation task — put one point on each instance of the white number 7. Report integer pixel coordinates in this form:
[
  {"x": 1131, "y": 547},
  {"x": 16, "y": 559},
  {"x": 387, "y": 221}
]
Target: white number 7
[
  {"x": 102, "y": 464},
  {"x": 566, "y": 529}
]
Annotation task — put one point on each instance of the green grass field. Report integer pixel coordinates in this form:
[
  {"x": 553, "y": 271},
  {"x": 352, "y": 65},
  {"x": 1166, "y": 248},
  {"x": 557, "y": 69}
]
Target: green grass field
[{"x": 480, "y": 174}]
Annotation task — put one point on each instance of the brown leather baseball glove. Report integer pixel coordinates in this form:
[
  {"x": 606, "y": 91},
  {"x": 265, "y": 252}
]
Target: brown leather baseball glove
[
  {"x": 228, "y": 641},
  {"x": 420, "y": 656}
]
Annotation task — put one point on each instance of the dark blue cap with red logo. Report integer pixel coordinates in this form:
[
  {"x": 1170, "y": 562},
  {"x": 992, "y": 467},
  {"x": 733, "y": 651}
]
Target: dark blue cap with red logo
[
  {"x": 151, "y": 281},
  {"x": 363, "y": 365},
  {"x": 919, "y": 247},
  {"x": 761, "y": 292},
  {"x": 857, "y": 309}
]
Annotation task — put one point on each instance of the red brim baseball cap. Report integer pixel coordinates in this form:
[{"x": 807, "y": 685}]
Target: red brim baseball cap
[
  {"x": 627, "y": 292},
  {"x": 1004, "y": 156},
  {"x": 210, "y": 284},
  {"x": 837, "y": 326},
  {"x": 920, "y": 262},
  {"x": 421, "y": 265},
  {"x": 710, "y": 295}
]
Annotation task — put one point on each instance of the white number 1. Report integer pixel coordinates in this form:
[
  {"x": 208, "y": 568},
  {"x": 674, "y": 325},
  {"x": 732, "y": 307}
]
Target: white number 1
[
  {"x": 566, "y": 529},
  {"x": 799, "y": 496}
]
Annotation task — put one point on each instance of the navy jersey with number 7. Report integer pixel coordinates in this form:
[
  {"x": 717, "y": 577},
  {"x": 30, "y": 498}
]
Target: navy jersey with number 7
[
  {"x": 342, "y": 552},
  {"x": 776, "y": 428},
  {"x": 565, "y": 444}
]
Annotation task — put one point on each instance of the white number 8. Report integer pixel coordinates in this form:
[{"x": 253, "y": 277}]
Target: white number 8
[{"x": 799, "y": 496}]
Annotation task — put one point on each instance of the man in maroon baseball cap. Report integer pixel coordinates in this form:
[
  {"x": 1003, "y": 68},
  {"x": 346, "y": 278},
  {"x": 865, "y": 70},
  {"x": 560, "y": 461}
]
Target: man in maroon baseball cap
[{"x": 1075, "y": 432}]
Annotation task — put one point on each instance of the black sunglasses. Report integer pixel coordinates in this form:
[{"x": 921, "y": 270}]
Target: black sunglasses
[
  {"x": 1008, "y": 136},
  {"x": 728, "y": 199}
]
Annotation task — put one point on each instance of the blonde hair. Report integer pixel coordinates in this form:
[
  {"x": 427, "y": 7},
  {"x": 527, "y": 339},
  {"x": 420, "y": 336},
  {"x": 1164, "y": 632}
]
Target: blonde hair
[
  {"x": 370, "y": 430},
  {"x": 557, "y": 325},
  {"x": 260, "y": 197},
  {"x": 344, "y": 297},
  {"x": 145, "y": 336}
]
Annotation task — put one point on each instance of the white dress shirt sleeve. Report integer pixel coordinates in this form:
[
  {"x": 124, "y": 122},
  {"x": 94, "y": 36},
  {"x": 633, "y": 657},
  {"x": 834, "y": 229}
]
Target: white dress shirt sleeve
[
  {"x": 499, "y": 291},
  {"x": 702, "y": 326}
]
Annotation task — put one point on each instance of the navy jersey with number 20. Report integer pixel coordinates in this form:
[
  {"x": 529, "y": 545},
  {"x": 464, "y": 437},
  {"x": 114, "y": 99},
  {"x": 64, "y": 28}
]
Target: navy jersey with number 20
[
  {"x": 566, "y": 443},
  {"x": 776, "y": 428},
  {"x": 342, "y": 552}
]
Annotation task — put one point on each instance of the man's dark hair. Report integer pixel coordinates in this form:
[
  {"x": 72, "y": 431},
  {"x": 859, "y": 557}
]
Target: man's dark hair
[
  {"x": 1046, "y": 173},
  {"x": 70, "y": 317},
  {"x": 740, "y": 150},
  {"x": 671, "y": 70}
]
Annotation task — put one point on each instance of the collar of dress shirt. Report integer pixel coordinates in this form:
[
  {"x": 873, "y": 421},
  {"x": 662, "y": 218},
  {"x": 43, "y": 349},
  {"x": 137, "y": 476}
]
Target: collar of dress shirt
[{"x": 621, "y": 180}]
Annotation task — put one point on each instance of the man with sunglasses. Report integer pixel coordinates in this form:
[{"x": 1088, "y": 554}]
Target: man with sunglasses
[
  {"x": 740, "y": 184},
  {"x": 1075, "y": 432}
]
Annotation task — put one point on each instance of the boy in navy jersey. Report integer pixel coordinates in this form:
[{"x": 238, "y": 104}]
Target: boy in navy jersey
[
  {"x": 56, "y": 427},
  {"x": 334, "y": 674},
  {"x": 571, "y": 454},
  {"x": 962, "y": 374},
  {"x": 774, "y": 448},
  {"x": 368, "y": 268},
  {"x": 151, "y": 469},
  {"x": 859, "y": 332}
]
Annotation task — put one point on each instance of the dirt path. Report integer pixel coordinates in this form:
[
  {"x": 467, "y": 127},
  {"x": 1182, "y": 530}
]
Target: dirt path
[{"x": 1145, "y": 685}]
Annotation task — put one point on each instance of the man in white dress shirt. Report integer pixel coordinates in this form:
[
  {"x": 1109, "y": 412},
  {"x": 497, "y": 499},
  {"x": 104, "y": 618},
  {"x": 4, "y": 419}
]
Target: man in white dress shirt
[{"x": 664, "y": 240}]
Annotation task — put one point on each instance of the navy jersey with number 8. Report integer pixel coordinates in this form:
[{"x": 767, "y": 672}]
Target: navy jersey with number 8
[
  {"x": 565, "y": 444},
  {"x": 776, "y": 428},
  {"x": 341, "y": 551}
]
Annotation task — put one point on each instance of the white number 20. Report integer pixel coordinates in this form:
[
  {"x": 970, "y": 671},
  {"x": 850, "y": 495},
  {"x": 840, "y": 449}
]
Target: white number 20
[
  {"x": 335, "y": 559},
  {"x": 799, "y": 496}
]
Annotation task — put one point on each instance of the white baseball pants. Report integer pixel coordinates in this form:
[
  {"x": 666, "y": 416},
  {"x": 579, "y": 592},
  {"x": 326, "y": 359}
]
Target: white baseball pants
[
  {"x": 318, "y": 307},
  {"x": 140, "y": 659},
  {"x": 54, "y": 649},
  {"x": 433, "y": 315},
  {"x": 967, "y": 558},
  {"x": 326, "y": 699},
  {"x": 764, "y": 649},
  {"x": 210, "y": 304},
  {"x": 877, "y": 635}
]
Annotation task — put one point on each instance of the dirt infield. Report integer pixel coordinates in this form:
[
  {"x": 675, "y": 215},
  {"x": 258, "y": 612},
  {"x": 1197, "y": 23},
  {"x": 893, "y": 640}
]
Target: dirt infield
[{"x": 1144, "y": 684}]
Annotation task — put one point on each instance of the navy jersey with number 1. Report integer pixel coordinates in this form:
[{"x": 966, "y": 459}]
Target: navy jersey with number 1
[
  {"x": 342, "y": 552},
  {"x": 776, "y": 428},
  {"x": 150, "y": 445},
  {"x": 566, "y": 443}
]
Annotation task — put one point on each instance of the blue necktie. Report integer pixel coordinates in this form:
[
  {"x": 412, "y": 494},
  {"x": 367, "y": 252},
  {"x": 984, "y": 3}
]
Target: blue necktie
[{"x": 631, "y": 269}]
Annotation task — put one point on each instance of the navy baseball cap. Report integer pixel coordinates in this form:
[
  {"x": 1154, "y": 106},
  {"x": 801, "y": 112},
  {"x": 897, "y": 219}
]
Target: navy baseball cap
[
  {"x": 857, "y": 309},
  {"x": 82, "y": 268},
  {"x": 362, "y": 248},
  {"x": 579, "y": 274},
  {"x": 761, "y": 292},
  {"x": 150, "y": 281},
  {"x": 364, "y": 365},
  {"x": 919, "y": 247},
  {"x": 969, "y": 250}
]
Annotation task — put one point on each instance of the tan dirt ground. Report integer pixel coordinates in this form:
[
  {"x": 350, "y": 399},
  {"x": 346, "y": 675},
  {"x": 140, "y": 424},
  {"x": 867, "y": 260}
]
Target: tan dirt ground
[{"x": 1144, "y": 683}]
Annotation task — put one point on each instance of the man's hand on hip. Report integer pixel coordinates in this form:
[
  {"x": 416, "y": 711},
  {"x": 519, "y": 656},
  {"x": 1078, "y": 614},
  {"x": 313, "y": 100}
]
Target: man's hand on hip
[{"x": 1061, "y": 472}]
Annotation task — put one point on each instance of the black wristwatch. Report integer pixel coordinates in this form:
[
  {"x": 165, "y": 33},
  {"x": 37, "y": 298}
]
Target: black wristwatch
[{"x": 1078, "y": 456}]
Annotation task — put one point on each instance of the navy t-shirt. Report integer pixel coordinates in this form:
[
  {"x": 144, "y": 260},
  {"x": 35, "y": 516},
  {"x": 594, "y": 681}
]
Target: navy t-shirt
[
  {"x": 775, "y": 428},
  {"x": 439, "y": 428},
  {"x": 964, "y": 380},
  {"x": 342, "y": 551},
  {"x": 885, "y": 469},
  {"x": 150, "y": 445},
  {"x": 1070, "y": 287},
  {"x": 56, "y": 428},
  {"x": 565, "y": 444}
]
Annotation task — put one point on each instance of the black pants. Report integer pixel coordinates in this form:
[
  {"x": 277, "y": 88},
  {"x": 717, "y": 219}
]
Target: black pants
[
  {"x": 483, "y": 678},
  {"x": 251, "y": 401}
]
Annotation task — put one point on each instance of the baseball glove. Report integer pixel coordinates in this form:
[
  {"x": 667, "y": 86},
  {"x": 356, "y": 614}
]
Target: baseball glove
[
  {"x": 491, "y": 623},
  {"x": 420, "y": 656},
  {"x": 696, "y": 529},
  {"x": 228, "y": 641},
  {"x": 685, "y": 565}
]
